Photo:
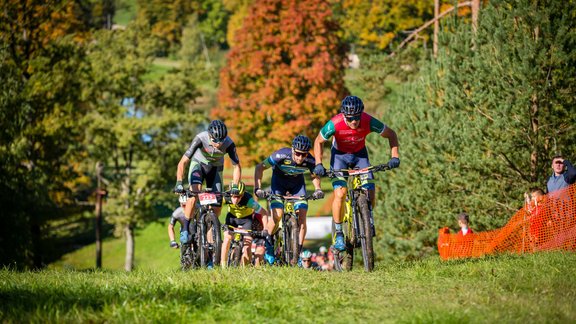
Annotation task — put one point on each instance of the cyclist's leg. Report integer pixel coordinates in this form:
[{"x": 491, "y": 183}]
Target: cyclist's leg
[
  {"x": 226, "y": 242},
  {"x": 195, "y": 179},
  {"x": 301, "y": 208},
  {"x": 362, "y": 161},
  {"x": 339, "y": 160},
  {"x": 214, "y": 181},
  {"x": 246, "y": 223},
  {"x": 277, "y": 206}
]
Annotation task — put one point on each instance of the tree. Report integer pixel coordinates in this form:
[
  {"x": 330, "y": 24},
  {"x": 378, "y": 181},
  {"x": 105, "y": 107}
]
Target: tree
[
  {"x": 136, "y": 126},
  {"x": 39, "y": 136},
  {"x": 284, "y": 77},
  {"x": 481, "y": 126}
]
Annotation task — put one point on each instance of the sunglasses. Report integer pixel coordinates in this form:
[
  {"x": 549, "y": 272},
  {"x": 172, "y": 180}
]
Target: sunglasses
[
  {"x": 300, "y": 153},
  {"x": 558, "y": 162},
  {"x": 216, "y": 141},
  {"x": 305, "y": 260},
  {"x": 352, "y": 118}
]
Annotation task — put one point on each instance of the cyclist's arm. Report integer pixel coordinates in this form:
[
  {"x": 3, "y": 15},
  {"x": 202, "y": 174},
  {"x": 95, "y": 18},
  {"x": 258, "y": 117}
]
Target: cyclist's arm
[
  {"x": 171, "y": 228},
  {"x": 325, "y": 133},
  {"x": 319, "y": 148},
  {"x": 237, "y": 173},
  {"x": 259, "y": 171},
  {"x": 392, "y": 141},
  {"x": 316, "y": 183},
  {"x": 181, "y": 166},
  {"x": 196, "y": 143}
]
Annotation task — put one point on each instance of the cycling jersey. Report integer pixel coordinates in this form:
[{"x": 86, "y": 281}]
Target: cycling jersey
[
  {"x": 346, "y": 139},
  {"x": 246, "y": 207},
  {"x": 202, "y": 150},
  {"x": 179, "y": 217},
  {"x": 287, "y": 176},
  {"x": 283, "y": 165}
]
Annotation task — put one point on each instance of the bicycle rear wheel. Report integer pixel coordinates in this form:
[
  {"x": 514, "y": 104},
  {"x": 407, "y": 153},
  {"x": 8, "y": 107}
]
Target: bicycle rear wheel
[
  {"x": 291, "y": 240},
  {"x": 365, "y": 231},
  {"x": 344, "y": 260},
  {"x": 211, "y": 240}
]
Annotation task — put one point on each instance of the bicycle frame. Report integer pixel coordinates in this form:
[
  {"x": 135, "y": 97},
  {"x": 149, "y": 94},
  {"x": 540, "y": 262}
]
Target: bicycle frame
[{"x": 357, "y": 234}]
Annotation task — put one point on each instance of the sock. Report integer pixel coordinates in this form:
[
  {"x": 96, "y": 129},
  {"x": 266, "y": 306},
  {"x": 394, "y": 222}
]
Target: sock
[{"x": 338, "y": 227}]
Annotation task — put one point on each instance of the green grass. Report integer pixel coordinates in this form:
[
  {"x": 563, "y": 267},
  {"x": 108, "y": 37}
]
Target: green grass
[{"x": 531, "y": 288}]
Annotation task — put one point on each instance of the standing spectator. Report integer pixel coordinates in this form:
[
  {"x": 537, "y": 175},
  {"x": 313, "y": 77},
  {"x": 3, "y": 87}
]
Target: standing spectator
[
  {"x": 465, "y": 237},
  {"x": 564, "y": 174}
]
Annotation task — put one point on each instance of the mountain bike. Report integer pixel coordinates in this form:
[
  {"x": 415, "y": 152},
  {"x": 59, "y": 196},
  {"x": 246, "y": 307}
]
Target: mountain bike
[
  {"x": 237, "y": 243},
  {"x": 358, "y": 221},
  {"x": 287, "y": 232},
  {"x": 206, "y": 240}
]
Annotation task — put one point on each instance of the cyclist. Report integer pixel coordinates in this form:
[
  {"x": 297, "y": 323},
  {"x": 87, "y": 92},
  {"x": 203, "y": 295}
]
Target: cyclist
[
  {"x": 241, "y": 207},
  {"x": 206, "y": 154},
  {"x": 258, "y": 244},
  {"x": 350, "y": 128},
  {"x": 306, "y": 257},
  {"x": 177, "y": 217},
  {"x": 288, "y": 165}
]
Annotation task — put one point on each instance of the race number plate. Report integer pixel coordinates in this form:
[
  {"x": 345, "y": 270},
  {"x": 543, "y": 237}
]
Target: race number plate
[{"x": 207, "y": 198}]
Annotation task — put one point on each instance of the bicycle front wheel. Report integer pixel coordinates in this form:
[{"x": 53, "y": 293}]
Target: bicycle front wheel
[
  {"x": 344, "y": 260},
  {"x": 365, "y": 231},
  {"x": 211, "y": 241},
  {"x": 235, "y": 255},
  {"x": 291, "y": 240},
  {"x": 186, "y": 257}
]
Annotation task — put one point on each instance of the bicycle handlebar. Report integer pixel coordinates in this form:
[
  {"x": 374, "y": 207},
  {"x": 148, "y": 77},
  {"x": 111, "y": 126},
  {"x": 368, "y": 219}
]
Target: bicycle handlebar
[
  {"x": 271, "y": 196},
  {"x": 353, "y": 172},
  {"x": 242, "y": 231}
]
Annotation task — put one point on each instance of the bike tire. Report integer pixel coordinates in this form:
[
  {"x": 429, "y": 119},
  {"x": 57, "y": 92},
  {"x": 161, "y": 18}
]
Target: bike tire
[
  {"x": 186, "y": 257},
  {"x": 365, "y": 231},
  {"x": 235, "y": 255},
  {"x": 211, "y": 240},
  {"x": 344, "y": 260},
  {"x": 291, "y": 240}
]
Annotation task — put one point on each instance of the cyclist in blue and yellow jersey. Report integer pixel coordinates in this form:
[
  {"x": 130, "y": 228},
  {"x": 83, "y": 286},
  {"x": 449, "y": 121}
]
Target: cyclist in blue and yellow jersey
[
  {"x": 206, "y": 153},
  {"x": 241, "y": 209},
  {"x": 288, "y": 165},
  {"x": 350, "y": 129}
]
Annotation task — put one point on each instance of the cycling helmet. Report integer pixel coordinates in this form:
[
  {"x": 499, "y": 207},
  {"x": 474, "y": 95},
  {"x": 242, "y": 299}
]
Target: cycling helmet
[
  {"x": 306, "y": 254},
  {"x": 352, "y": 105},
  {"x": 238, "y": 190},
  {"x": 217, "y": 130},
  {"x": 301, "y": 143}
]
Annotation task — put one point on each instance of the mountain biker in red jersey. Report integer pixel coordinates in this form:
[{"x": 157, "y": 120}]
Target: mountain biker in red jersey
[{"x": 350, "y": 129}]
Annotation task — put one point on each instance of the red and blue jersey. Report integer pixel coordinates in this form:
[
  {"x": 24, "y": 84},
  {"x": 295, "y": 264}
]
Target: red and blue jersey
[{"x": 350, "y": 140}]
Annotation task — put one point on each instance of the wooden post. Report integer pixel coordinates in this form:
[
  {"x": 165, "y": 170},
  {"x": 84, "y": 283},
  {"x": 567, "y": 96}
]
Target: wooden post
[
  {"x": 436, "y": 27},
  {"x": 99, "y": 193}
]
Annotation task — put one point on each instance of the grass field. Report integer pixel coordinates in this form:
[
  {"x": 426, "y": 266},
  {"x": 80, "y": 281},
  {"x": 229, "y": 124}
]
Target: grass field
[{"x": 513, "y": 289}]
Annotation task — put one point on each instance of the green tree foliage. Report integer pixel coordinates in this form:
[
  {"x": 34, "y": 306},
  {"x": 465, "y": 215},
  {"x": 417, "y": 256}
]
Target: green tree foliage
[
  {"x": 39, "y": 107},
  {"x": 480, "y": 127},
  {"x": 238, "y": 11},
  {"x": 167, "y": 20},
  {"x": 284, "y": 77},
  {"x": 137, "y": 127},
  {"x": 375, "y": 24}
]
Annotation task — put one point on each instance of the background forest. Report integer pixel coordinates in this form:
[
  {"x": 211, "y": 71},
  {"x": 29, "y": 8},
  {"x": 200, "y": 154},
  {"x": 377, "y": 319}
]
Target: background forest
[{"x": 127, "y": 84}]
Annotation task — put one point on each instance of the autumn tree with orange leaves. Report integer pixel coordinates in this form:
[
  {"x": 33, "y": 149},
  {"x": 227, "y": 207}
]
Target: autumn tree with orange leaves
[{"x": 284, "y": 76}]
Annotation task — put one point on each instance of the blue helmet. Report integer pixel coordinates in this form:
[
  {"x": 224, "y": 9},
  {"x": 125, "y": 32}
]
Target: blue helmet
[
  {"x": 352, "y": 105},
  {"x": 301, "y": 143}
]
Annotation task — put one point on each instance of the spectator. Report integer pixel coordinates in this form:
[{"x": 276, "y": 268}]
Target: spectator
[
  {"x": 464, "y": 238},
  {"x": 464, "y": 222},
  {"x": 564, "y": 174},
  {"x": 536, "y": 220}
]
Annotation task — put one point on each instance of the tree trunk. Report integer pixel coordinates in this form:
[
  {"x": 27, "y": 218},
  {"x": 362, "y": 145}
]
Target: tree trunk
[{"x": 129, "y": 262}]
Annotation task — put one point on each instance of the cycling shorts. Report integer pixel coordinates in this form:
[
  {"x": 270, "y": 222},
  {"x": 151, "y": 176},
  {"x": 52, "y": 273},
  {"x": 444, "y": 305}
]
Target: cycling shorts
[
  {"x": 342, "y": 160},
  {"x": 289, "y": 186},
  {"x": 198, "y": 173},
  {"x": 245, "y": 223}
]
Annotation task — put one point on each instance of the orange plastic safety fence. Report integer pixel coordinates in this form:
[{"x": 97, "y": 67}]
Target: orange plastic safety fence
[{"x": 547, "y": 224}]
